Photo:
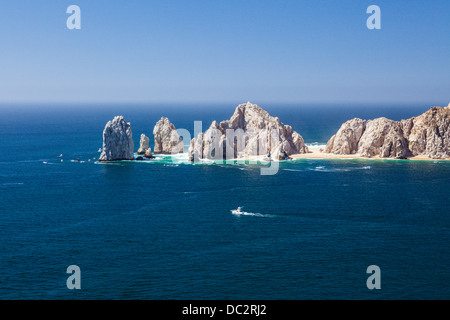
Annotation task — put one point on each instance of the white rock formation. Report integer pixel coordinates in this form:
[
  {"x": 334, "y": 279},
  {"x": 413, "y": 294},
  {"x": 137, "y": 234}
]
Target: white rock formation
[
  {"x": 117, "y": 141},
  {"x": 167, "y": 140},
  {"x": 250, "y": 131},
  {"x": 383, "y": 137},
  {"x": 346, "y": 140},
  {"x": 425, "y": 135},
  {"x": 430, "y": 134},
  {"x": 143, "y": 144}
]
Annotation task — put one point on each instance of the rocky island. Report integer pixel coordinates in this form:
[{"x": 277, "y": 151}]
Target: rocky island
[
  {"x": 425, "y": 136},
  {"x": 118, "y": 141},
  {"x": 251, "y": 131},
  {"x": 144, "y": 148},
  {"x": 167, "y": 139}
]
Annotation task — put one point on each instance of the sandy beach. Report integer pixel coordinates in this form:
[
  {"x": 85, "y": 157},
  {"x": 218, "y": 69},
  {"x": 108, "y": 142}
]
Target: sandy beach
[{"x": 316, "y": 152}]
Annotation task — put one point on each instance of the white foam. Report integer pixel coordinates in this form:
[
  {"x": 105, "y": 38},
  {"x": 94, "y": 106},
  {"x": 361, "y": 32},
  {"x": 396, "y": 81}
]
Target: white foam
[
  {"x": 316, "y": 144},
  {"x": 347, "y": 169},
  {"x": 243, "y": 213}
]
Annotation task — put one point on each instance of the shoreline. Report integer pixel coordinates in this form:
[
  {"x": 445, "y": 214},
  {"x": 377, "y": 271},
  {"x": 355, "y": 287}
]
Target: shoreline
[{"x": 316, "y": 153}]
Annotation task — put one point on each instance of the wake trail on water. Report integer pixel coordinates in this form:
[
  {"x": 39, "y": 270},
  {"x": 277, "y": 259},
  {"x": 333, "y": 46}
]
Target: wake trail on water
[
  {"x": 243, "y": 213},
  {"x": 323, "y": 169}
]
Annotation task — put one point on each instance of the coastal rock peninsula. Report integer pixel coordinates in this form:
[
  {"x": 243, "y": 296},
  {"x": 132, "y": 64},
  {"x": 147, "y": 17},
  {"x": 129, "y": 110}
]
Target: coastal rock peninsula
[
  {"x": 117, "y": 141},
  {"x": 167, "y": 140},
  {"x": 426, "y": 135},
  {"x": 251, "y": 131}
]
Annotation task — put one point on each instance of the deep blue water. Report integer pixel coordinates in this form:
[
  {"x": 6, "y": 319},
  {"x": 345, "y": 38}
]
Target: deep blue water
[{"x": 165, "y": 231}]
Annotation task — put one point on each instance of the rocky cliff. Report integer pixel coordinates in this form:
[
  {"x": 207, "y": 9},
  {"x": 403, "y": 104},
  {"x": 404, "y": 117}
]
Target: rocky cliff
[
  {"x": 117, "y": 141},
  {"x": 425, "y": 135},
  {"x": 250, "y": 131},
  {"x": 167, "y": 140}
]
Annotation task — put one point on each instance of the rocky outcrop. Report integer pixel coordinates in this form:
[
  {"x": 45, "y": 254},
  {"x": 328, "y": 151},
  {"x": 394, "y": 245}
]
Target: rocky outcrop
[
  {"x": 148, "y": 153},
  {"x": 346, "y": 140},
  {"x": 196, "y": 148},
  {"x": 430, "y": 134},
  {"x": 425, "y": 135},
  {"x": 394, "y": 144},
  {"x": 143, "y": 144},
  {"x": 117, "y": 141},
  {"x": 250, "y": 131},
  {"x": 167, "y": 140},
  {"x": 384, "y": 138}
]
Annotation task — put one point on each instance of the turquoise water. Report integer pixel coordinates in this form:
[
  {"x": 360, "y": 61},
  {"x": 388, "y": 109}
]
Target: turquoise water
[{"x": 164, "y": 229}]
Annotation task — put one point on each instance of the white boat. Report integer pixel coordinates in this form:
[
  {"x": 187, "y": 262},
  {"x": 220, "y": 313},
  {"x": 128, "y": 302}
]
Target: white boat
[{"x": 237, "y": 211}]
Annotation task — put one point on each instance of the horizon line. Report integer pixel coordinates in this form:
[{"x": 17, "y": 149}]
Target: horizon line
[{"x": 189, "y": 102}]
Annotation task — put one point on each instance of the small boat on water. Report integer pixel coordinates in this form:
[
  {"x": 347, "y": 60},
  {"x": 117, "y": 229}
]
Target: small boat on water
[{"x": 237, "y": 211}]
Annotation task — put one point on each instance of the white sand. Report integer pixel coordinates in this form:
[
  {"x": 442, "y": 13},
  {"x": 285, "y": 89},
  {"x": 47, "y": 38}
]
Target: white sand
[{"x": 316, "y": 152}]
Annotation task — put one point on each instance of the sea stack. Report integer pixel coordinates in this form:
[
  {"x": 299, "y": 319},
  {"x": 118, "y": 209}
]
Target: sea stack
[
  {"x": 143, "y": 144},
  {"x": 251, "y": 131},
  {"x": 425, "y": 135},
  {"x": 167, "y": 139},
  {"x": 117, "y": 141}
]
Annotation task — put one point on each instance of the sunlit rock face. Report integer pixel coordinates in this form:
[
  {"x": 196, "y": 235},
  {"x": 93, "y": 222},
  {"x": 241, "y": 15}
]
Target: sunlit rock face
[
  {"x": 143, "y": 144},
  {"x": 425, "y": 135},
  {"x": 346, "y": 140},
  {"x": 167, "y": 140},
  {"x": 250, "y": 131},
  {"x": 117, "y": 141},
  {"x": 430, "y": 134}
]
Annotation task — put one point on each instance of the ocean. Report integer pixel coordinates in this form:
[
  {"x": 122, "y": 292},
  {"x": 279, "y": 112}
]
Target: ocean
[{"x": 164, "y": 229}]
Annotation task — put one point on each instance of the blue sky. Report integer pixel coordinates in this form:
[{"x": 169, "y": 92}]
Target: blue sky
[{"x": 225, "y": 51}]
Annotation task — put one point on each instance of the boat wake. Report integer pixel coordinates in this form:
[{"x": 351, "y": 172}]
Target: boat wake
[
  {"x": 346, "y": 169},
  {"x": 239, "y": 212}
]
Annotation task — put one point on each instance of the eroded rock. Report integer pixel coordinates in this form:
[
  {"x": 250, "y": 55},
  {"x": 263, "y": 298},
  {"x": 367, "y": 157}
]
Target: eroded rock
[
  {"x": 143, "y": 144},
  {"x": 425, "y": 135},
  {"x": 167, "y": 140},
  {"x": 117, "y": 141},
  {"x": 250, "y": 131}
]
